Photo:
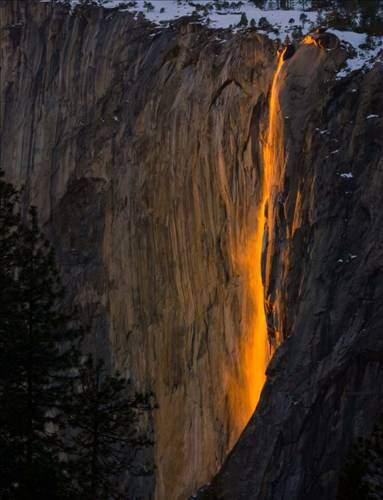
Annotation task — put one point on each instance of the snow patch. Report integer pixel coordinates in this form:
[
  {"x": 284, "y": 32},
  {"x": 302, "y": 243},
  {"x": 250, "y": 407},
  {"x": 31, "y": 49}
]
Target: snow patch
[
  {"x": 366, "y": 50},
  {"x": 323, "y": 131}
]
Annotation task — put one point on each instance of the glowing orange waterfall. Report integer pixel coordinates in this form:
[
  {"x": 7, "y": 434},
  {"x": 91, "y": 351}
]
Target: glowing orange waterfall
[
  {"x": 272, "y": 156},
  {"x": 256, "y": 353}
]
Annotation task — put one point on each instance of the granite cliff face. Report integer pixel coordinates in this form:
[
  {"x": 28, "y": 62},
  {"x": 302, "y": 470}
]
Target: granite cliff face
[
  {"x": 143, "y": 149},
  {"x": 140, "y": 148}
]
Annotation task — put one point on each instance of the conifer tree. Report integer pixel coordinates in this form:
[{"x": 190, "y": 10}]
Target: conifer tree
[
  {"x": 243, "y": 22},
  {"x": 66, "y": 429},
  {"x": 37, "y": 358},
  {"x": 105, "y": 419},
  {"x": 9, "y": 223}
]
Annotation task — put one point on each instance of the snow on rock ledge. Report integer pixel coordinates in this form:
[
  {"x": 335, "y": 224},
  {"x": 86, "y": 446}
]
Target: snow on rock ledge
[{"x": 277, "y": 24}]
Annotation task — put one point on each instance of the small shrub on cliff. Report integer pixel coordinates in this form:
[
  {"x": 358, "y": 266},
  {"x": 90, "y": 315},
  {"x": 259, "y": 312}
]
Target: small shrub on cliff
[
  {"x": 264, "y": 24},
  {"x": 148, "y": 6},
  {"x": 243, "y": 21}
]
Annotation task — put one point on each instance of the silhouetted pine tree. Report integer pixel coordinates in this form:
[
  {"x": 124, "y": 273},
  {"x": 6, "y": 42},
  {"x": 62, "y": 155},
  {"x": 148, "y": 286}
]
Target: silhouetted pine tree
[
  {"x": 37, "y": 359},
  {"x": 9, "y": 223},
  {"x": 105, "y": 419},
  {"x": 66, "y": 430}
]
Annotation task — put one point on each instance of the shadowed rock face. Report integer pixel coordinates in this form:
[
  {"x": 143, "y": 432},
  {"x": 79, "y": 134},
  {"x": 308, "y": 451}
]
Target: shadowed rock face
[{"x": 142, "y": 150}]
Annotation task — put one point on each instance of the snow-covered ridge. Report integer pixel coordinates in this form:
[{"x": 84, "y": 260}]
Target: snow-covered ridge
[
  {"x": 217, "y": 13},
  {"x": 241, "y": 14}
]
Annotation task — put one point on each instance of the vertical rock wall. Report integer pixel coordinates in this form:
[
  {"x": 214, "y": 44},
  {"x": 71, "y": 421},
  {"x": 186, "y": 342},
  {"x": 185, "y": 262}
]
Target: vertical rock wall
[
  {"x": 140, "y": 148},
  {"x": 324, "y": 289}
]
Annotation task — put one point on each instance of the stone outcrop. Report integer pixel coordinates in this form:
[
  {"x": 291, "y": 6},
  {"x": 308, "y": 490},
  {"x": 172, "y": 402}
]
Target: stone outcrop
[
  {"x": 142, "y": 149},
  {"x": 323, "y": 40}
]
